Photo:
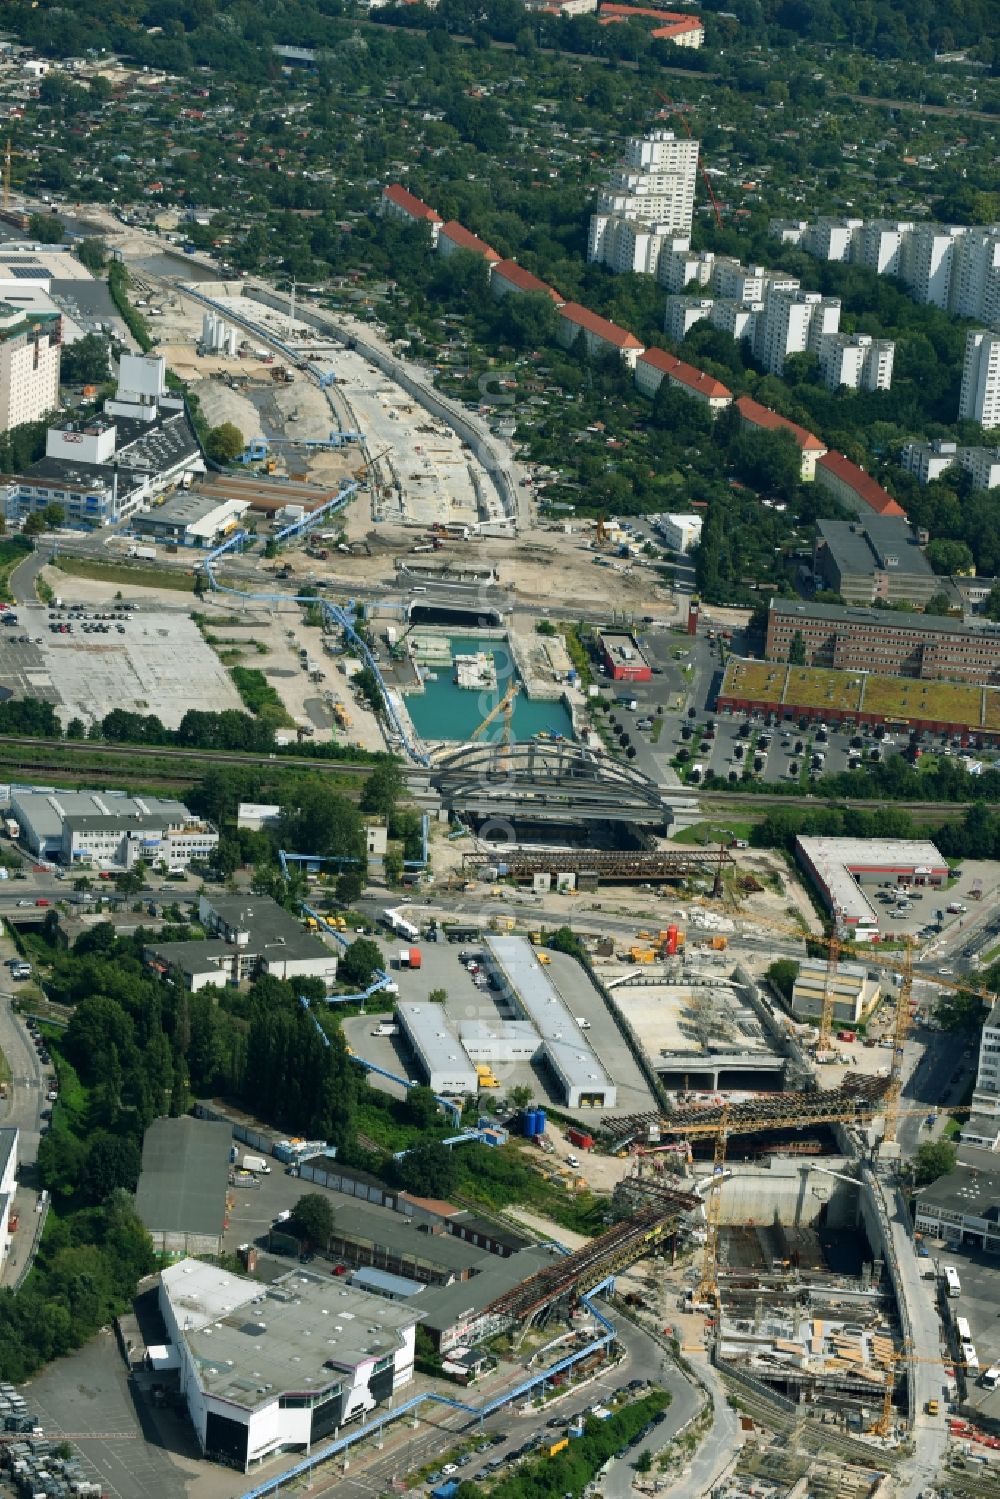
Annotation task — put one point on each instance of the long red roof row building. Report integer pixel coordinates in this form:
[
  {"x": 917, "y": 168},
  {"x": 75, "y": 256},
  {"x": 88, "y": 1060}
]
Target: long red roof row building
[{"x": 651, "y": 366}]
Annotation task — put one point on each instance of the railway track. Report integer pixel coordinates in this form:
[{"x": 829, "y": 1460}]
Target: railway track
[{"x": 185, "y": 766}]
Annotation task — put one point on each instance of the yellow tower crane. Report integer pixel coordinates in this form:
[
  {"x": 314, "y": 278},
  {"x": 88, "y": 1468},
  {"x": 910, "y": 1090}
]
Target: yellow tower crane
[{"x": 505, "y": 709}]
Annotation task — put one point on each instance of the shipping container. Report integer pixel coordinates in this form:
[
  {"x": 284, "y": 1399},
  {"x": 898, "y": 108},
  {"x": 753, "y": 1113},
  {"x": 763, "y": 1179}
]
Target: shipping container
[{"x": 580, "y": 1138}]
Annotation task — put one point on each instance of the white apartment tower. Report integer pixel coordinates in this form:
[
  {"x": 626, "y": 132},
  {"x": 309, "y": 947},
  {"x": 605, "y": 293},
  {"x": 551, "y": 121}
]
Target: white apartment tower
[
  {"x": 879, "y": 246},
  {"x": 793, "y": 322},
  {"x": 980, "y": 397},
  {"x": 975, "y": 276},
  {"x": 652, "y": 186},
  {"x": 856, "y": 360},
  {"x": 682, "y": 313},
  {"x": 926, "y": 262},
  {"x": 30, "y": 352}
]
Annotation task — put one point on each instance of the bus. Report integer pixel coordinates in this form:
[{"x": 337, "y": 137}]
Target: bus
[
  {"x": 970, "y": 1359},
  {"x": 952, "y": 1284},
  {"x": 990, "y": 1377},
  {"x": 963, "y": 1329}
]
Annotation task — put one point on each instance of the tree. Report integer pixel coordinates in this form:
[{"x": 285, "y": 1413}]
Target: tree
[
  {"x": 34, "y": 525},
  {"x": 361, "y": 962},
  {"x": 86, "y": 361},
  {"x": 933, "y": 1159},
  {"x": 564, "y": 939},
  {"x": 45, "y": 228},
  {"x": 422, "y": 1107},
  {"x": 112, "y": 1161},
  {"x": 948, "y": 557},
  {"x": 349, "y": 887},
  {"x": 224, "y": 443},
  {"x": 939, "y": 604},
  {"x": 959, "y": 1012},
  {"x": 383, "y": 789},
  {"x": 797, "y": 650},
  {"x": 520, "y": 1096},
  {"x": 782, "y": 975},
  {"x": 93, "y": 255},
  {"x": 430, "y": 1170},
  {"x": 437, "y": 996},
  {"x": 53, "y": 515},
  {"x": 128, "y": 882},
  {"x": 312, "y": 1217}
]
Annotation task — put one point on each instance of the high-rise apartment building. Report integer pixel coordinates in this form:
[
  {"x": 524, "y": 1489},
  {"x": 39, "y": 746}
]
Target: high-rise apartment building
[
  {"x": 856, "y": 360},
  {"x": 793, "y": 322},
  {"x": 975, "y": 276},
  {"x": 30, "y": 351},
  {"x": 980, "y": 396},
  {"x": 653, "y": 186},
  {"x": 926, "y": 262}
]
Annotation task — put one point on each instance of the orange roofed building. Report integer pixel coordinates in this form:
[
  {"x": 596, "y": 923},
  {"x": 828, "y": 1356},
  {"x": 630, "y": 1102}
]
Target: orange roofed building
[
  {"x": 854, "y": 488},
  {"x": 655, "y": 366},
  {"x": 668, "y": 25},
  {"x": 762, "y": 419},
  {"x": 600, "y": 336},
  {"x": 510, "y": 279},
  {"x": 399, "y": 203},
  {"x": 454, "y": 236}
]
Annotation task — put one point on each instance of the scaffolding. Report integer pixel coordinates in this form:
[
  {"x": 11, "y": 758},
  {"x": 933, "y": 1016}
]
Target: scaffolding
[{"x": 627, "y": 865}]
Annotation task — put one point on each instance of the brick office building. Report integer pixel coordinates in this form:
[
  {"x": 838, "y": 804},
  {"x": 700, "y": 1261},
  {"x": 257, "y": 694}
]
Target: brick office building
[{"x": 885, "y": 641}]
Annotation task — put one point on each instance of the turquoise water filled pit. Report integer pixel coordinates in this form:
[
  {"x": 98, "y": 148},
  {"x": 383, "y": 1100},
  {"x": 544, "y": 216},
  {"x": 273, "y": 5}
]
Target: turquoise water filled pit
[{"x": 446, "y": 711}]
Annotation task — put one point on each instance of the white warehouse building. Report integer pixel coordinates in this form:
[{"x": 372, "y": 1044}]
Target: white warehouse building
[
  {"x": 274, "y": 1368},
  {"x": 524, "y": 983},
  {"x": 439, "y": 1053},
  {"x": 109, "y": 829}
]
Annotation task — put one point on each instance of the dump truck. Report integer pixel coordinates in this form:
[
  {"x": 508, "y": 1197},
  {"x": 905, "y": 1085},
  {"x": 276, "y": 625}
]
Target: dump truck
[{"x": 484, "y": 1074}]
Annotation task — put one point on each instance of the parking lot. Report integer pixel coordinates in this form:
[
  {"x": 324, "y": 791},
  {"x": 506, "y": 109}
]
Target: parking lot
[
  {"x": 442, "y": 968},
  {"x": 85, "y": 666},
  {"x": 980, "y": 1279}
]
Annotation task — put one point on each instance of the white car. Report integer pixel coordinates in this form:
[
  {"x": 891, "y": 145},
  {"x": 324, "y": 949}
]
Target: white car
[{"x": 449, "y": 1469}]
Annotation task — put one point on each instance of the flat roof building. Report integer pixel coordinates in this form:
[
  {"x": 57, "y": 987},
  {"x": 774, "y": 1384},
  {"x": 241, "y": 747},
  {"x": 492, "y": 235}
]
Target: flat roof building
[
  {"x": 963, "y": 1208},
  {"x": 276, "y": 1368},
  {"x": 893, "y": 642},
  {"x": 623, "y": 660},
  {"x": 440, "y": 1055},
  {"x": 181, "y": 1196},
  {"x": 840, "y": 867},
  {"x": 109, "y": 829},
  {"x": 251, "y": 935},
  {"x": 579, "y": 1074},
  {"x": 194, "y": 519},
  {"x": 878, "y": 557},
  {"x": 855, "y": 994}
]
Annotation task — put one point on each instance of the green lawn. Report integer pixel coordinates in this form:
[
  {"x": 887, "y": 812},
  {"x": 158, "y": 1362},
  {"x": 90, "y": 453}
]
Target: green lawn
[
  {"x": 120, "y": 572},
  {"x": 709, "y": 832}
]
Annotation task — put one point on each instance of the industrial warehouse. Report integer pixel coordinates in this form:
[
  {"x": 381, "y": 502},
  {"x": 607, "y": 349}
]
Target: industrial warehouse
[
  {"x": 840, "y": 868},
  {"x": 526, "y": 1019},
  {"x": 268, "y": 1369}
]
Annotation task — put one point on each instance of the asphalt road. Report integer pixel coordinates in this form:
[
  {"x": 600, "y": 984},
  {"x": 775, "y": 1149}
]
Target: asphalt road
[{"x": 410, "y": 1447}]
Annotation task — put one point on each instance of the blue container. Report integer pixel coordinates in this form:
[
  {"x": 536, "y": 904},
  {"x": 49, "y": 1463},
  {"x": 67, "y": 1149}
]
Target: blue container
[
  {"x": 539, "y": 1121},
  {"x": 528, "y": 1124}
]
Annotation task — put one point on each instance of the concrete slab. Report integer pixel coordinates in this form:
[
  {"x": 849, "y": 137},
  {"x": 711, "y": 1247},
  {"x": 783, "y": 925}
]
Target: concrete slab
[{"x": 160, "y": 664}]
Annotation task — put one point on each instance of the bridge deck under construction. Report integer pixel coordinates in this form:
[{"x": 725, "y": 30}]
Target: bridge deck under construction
[
  {"x": 577, "y": 1273},
  {"x": 855, "y": 1101},
  {"x": 631, "y": 866}
]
